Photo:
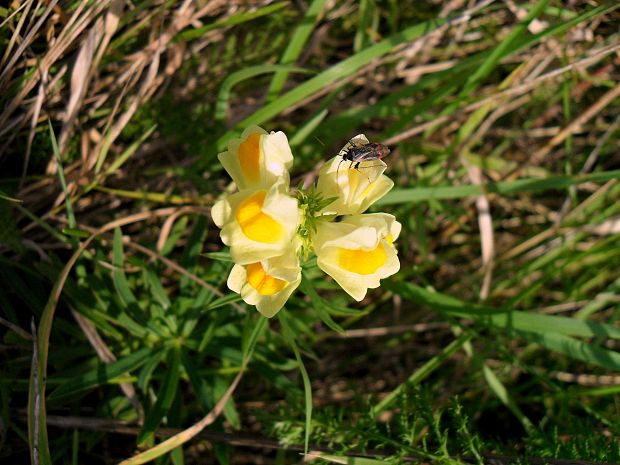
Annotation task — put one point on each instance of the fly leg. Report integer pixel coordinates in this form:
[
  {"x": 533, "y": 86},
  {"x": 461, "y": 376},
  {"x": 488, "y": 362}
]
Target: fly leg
[
  {"x": 338, "y": 172},
  {"x": 357, "y": 168}
]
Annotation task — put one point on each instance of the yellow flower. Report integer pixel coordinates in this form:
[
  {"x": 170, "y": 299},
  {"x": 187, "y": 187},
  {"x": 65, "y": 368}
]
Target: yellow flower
[
  {"x": 265, "y": 227},
  {"x": 355, "y": 189},
  {"x": 267, "y": 284},
  {"x": 257, "y": 224},
  {"x": 358, "y": 251},
  {"x": 257, "y": 160}
]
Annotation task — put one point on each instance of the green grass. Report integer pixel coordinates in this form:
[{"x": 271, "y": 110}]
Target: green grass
[{"x": 118, "y": 330}]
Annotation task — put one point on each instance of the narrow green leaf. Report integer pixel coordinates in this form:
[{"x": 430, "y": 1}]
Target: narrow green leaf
[
  {"x": 207, "y": 335},
  {"x": 349, "y": 459},
  {"x": 336, "y": 72},
  {"x": 194, "y": 244},
  {"x": 3, "y": 196},
  {"x": 164, "y": 400},
  {"x": 423, "y": 372},
  {"x": 37, "y": 425},
  {"x": 319, "y": 305},
  {"x": 116, "y": 164},
  {"x": 79, "y": 233},
  {"x": 289, "y": 335},
  {"x": 61, "y": 177},
  {"x": 233, "y": 20},
  {"x": 424, "y": 194},
  {"x": 44, "y": 225},
  {"x": 219, "y": 256},
  {"x": 75, "y": 447},
  {"x": 308, "y": 128},
  {"x": 157, "y": 290},
  {"x": 223, "y": 301},
  {"x": 201, "y": 391},
  {"x": 577, "y": 349},
  {"x": 221, "y": 106},
  {"x": 120, "y": 280},
  {"x": 99, "y": 376},
  {"x": 502, "y": 49},
  {"x": 504, "y": 396},
  {"x": 179, "y": 439},
  {"x": 174, "y": 236},
  {"x": 177, "y": 456},
  {"x": 602, "y": 300},
  {"x": 230, "y": 411},
  {"x": 295, "y": 46},
  {"x": 144, "y": 377},
  {"x": 504, "y": 318},
  {"x": 105, "y": 148},
  {"x": 156, "y": 197},
  {"x": 362, "y": 39},
  {"x": 553, "y": 332},
  {"x": 249, "y": 342}
]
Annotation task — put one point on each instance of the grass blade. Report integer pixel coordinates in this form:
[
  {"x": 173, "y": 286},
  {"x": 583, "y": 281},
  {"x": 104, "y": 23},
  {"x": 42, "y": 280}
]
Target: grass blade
[
  {"x": 99, "y": 376},
  {"x": 335, "y": 73},
  {"x": 221, "y": 107},
  {"x": 295, "y": 46},
  {"x": 116, "y": 164},
  {"x": 576, "y": 349},
  {"x": 319, "y": 305},
  {"x": 120, "y": 280},
  {"x": 164, "y": 399},
  {"x": 37, "y": 427},
  {"x": 504, "y": 396},
  {"x": 348, "y": 459},
  {"x": 184, "y": 436},
  {"x": 289, "y": 335},
  {"x": 304, "y": 131},
  {"x": 61, "y": 177},
  {"x": 424, "y": 194},
  {"x": 505, "y": 319},
  {"x": 422, "y": 372},
  {"x": 229, "y": 21},
  {"x": 3, "y": 196},
  {"x": 501, "y": 50}
]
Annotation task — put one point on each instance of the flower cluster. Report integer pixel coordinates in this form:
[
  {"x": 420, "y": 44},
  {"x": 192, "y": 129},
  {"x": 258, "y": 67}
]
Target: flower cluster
[{"x": 268, "y": 230}]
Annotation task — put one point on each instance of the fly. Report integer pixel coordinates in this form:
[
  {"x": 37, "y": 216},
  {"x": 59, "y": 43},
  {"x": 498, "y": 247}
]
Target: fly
[{"x": 357, "y": 151}]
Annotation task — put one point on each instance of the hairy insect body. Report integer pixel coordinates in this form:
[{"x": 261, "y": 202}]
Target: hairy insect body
[{"x": 357, "y": 152}]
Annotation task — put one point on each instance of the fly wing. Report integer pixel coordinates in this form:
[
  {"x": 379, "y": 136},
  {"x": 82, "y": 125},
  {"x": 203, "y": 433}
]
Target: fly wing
[
  {"x": 363, "y": 153},
  {"x": 356, "y": 141}
]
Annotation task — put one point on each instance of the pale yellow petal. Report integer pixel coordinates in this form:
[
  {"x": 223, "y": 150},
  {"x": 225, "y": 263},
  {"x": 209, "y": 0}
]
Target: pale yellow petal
[
  {"x": 237, "y": 278},
  {"x": 243, "y": 158},
  {"x": 358, "y": 251},
  {"x": 221, "y": 212},
  {"x": 267, "y": 284},
  {"x": 258, "y": 160},
  {"x": 354, "y": 187},
  {"x": 258, "y": 225}
]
